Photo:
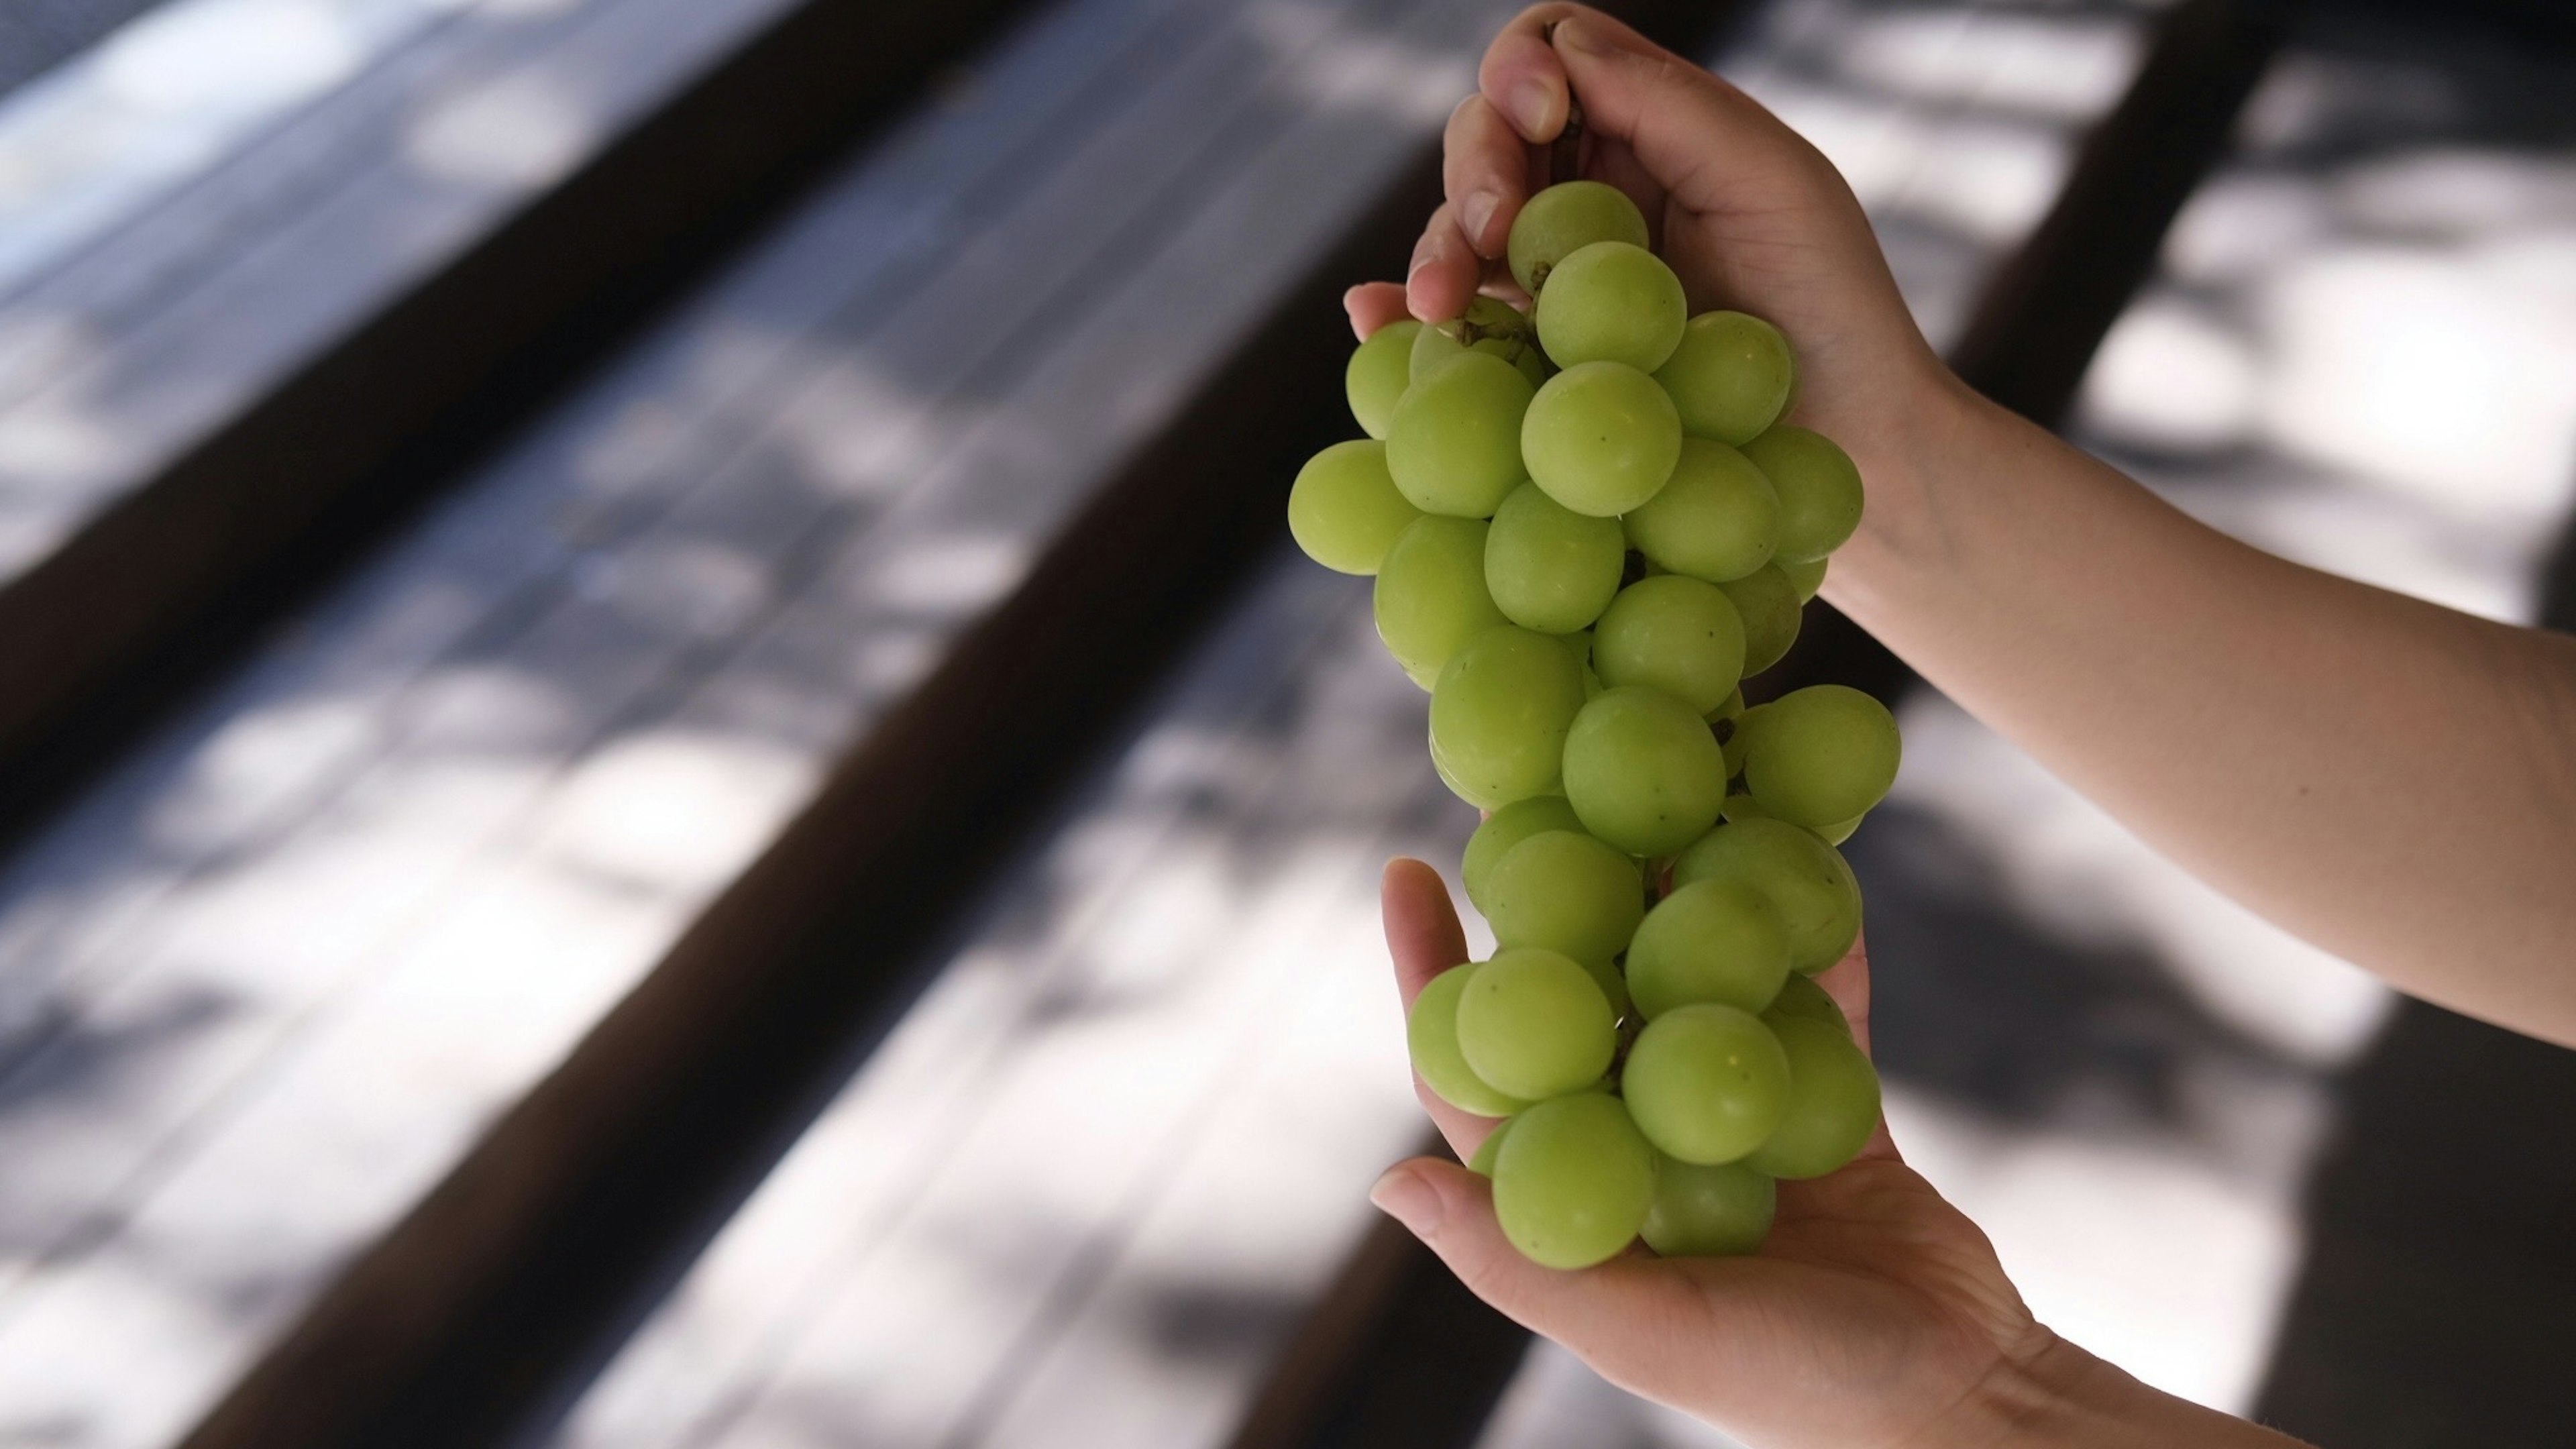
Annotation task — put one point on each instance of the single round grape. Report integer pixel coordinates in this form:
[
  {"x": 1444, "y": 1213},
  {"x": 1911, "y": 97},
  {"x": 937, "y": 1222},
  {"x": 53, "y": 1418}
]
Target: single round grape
[
  {"x": 1732, "y": 737},
  {"x": 1601, "y": 438},
  {"x": 1770, "y": 607},
  {"x": 1534, "y": 1024},
  {"x": 1548, "y": 567},
  {"x": 1430, "y": 597},
  {"x": 1612, "y": 301},
  {"x": 1709, "y": 1210},
  {"x": 1673, "y": 633},
  {"x": 1431, "y": 1035},
  {"x": 1806, "y": 577},
  {"x": 1454, "y": 447},
  {"x": 1482, "y": 1163},
  {"x": 1833, "y": 1102},
  {"x": 1731, "y": 708},
  {"x": 1802, "y": 998},
  {"x": 1564, "y": 218},
  {"x": 1821, "y": 755},
  {"x": 1840, "y": 831},
  {"x": 1500, "y": 711},
  {"x": 1729, "y": 377},
  {"x": 1343, "y": 509},
  {"x": 1716, "y": 518},
  {"x": 1614, "y": 987},
  {"x": 1706, "y": 1083},
  {"x": 1820, "y": 492},
  {"x": 1643, "y": 772},
  {"x": 1567, "y": 892},
  {"x": 1807, "y": 879},
  {"x": 1379, "y": 369},
  {"x": 1740, "y": 806},
  {"x": 1712, "y": 941},
  {"x": 1504, "y": 829},
  {"x": 1573, "y": 1182}
]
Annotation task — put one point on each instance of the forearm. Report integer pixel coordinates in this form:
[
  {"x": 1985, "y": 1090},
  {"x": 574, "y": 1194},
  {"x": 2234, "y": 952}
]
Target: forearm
[
  {"x": 2065, "y": 1398},
  {"x": 2389, "y": 779}
]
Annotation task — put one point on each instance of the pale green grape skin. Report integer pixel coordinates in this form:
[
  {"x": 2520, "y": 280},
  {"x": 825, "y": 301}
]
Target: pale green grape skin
[
  {"x": 1431, "y": 1035},
  {"x": 1533, "y": 1024},
  {"x": 1807, "y": 879},
  {"x": 1377, "y": 374},
  {"x": 1430, "y": 348},
  {"x": 1730, "y": 376},
  {"x": 1706, "y": 1083},
  {"x": 1430, "y": 597},
  {"x": 1740, "y": 806},
  {"x": 1673, "y": 633},
  {"x": 1489, "y": 325},
  {"x": 1841, "y": 830},
  {"x": 1820, "y": 490},
  {"x": 1454, "y": 447},
  {"x": 1805, "y": 577},
  {"x": 1343, "y": 509},
  {"x": 1574, "y": 1181},
  {"x": 1801, "y": 998},
  {"x": 1771, "y": 610},
  {"x": 1715, "y": 519},
  {"x": 1500, "y": 711},
  {"x": 1614, "y": 987},
  {"x": 1601, "y": 438},
  {"x": 1504, "y": 829},
  {"x": 1612, "y": 301},
  {"x": 1720, "y": 942},
  {"x": 1712, "y": 1210},
  {"x": 1643, "y": 772},
  {"x": 1563, "y": 218},
  {"x": 1737, "y": 736},
  {"x": 1822, "y": 755},
  {"x": 1568, "y": 892},
  {"x": 1548, "y": 567},
  {"x": 1482, "y": 1163},
  {"x": 1833, "y": 1103},
  {"x": 1732, "y": 708}
]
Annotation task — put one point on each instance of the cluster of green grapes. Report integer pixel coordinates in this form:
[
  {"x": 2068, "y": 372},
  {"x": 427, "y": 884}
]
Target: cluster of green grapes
[{"x": 1587, "y": 526}]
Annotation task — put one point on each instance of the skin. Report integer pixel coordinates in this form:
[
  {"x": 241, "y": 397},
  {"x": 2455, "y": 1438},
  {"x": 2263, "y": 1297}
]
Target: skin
[{"x": 2394, "y": 781}]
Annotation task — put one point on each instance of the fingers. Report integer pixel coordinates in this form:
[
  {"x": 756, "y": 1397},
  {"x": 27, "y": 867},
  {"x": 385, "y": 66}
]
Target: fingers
[
  {"x": 1444, "y": 272},
  {"x": 1452, "y": 1211},
  {"x": 1694, "y": 134},
  {"x": 1372, "y": 305},
  {"x": 1484, "y": 170},
  {"x": 1522, "y": 78},
  {"x": 1422, "y": 930},
  {"x": 1847, "y": 982}
]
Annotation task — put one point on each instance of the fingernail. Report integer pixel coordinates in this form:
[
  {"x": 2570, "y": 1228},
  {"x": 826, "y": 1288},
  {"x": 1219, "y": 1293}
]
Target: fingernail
[
  {"x": 1478, "y": 210},
  {"x": 1532, "y": 103},
  {"x": 1580, "y": 34},
  {"x": 1402, "y": 1195}
]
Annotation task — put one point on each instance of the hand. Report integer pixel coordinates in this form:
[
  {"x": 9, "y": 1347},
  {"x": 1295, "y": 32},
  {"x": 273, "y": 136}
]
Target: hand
[
  {"x": 1876, "y": 1315},
  {"x": 1748, "y": 214}
]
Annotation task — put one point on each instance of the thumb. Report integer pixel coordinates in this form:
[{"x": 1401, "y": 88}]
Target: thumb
[
  {"x": 1590, "y": 1310},
  {"x": 1708, "y": 144}
]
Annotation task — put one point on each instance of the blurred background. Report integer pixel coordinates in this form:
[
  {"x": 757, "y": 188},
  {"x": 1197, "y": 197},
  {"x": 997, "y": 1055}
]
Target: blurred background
[{"x": 666, "y": 780}]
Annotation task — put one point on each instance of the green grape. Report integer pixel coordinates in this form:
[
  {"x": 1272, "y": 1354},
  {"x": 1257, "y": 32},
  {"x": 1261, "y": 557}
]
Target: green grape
[
  {"x": 1548, "y": 567},
  {"x": 1489, "y": 325},
  {"x": 1606, "y": 975},
  {"x": 1504, "y": 829},
  {"x": 1612, "y": 301},
  {"x": 1574, "y": 1181},
  {"x": 1805, "y": 577},
  {"x": 1431, "y": 1034},
  {"x": 1841, "y": 830},
  {"x": 1500, "y": 711},
  {"x": 1534, "y": 1024},
  {"x": 1740, "y": 806},
  {"x": 1820, "y": 492},
  {"x": 1379, "y": 369},
  {"x": 1821, "y": 755},
  {"x": 1643, "y": 771},
  {"x": 1673, "y": 633},
  {"x": 1732, "y": 708},
  {"x": 1343, "y": 509},
  {"x": 1833, "y": 1102},
  {"x": 1706, "y": 1083},
  {"x": 1771, "y": 610},
  {"x": 1730, "y": 377},
  {"x": 1712, "y": 941},
  {"x": 1567, "y": 892},
  {"x": 1431, "y": 597},
  {"x": 1735, "y": 735},
  {"x": 1818, "y": 899},
  {"x": 1708, "y": 1210},
  {"x": 1431, "y": 347},
  {"x": 1563, "y": 218},
  {"x": 1716, "y": 518},
  {"x": 1482, "y": 1163},
  {"x": 1454, "y": 447},
  {"x": 1601, "y": 438},
  {"x": 1800, "y": 997}
]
